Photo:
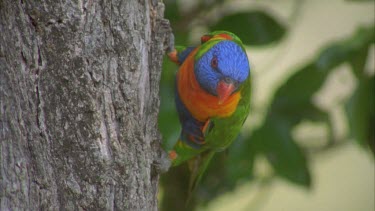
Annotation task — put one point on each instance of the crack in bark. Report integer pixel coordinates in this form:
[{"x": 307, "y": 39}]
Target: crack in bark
[
  {"x": 33, "y": 21},
  {"x": 37, "y": 110},
  {"x": 40, "y": 61},
  {"x": 107, "y": 128},
  {"x": 38, "y": 93},
  {"x": 24, "y": 60}
]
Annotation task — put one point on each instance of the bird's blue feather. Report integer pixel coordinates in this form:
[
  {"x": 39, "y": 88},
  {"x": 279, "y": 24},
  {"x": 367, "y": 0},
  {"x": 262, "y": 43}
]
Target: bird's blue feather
[{"x": 232, "y": 63}]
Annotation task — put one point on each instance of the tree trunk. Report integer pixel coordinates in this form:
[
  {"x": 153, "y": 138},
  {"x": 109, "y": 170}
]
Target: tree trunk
[{"x": 79, "y": 83}]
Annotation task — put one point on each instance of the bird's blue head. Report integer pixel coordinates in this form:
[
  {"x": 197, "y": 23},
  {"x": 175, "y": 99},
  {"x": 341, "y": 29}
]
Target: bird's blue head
[{"x": 222, "y": 68}]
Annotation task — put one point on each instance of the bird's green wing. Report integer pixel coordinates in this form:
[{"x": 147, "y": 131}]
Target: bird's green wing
[
  {"x": 221, "y": 133},
  {"x": 225, "y": 130}
]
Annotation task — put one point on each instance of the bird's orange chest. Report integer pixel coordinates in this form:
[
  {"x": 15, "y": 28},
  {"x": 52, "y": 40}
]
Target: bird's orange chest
[{"x": 200, "y": 103}]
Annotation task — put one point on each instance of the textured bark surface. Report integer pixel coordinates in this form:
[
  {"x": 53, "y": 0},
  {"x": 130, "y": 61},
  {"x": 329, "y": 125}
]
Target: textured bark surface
[{"x": 78, "y": 103}]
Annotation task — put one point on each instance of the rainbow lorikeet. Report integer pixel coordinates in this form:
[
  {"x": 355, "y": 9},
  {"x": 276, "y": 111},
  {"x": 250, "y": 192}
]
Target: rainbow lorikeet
[{"x": 212, "y": 98}]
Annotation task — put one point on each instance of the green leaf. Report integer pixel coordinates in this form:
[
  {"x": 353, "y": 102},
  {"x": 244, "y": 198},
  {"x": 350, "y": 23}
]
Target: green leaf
[
  {"x": 274, "y": 140},
  {"x": 253, "y": 27},
  {"x": 364, "y": 38},
  {"x": 346, "y": 50},
  {"x": 172, "y": 12},
  {"x": 298, "y": 90},
  {"x": 292, "y": 103},
  {"x": 241, "y": 153},
  {"x": 293, "y": 99},
  {"x": 361, "y": 113},
  {"x": 358, "y": 62}
]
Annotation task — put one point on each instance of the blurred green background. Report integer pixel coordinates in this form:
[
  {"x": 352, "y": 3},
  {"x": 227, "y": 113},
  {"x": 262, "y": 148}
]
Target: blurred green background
[{"x": 308, "y": 143}]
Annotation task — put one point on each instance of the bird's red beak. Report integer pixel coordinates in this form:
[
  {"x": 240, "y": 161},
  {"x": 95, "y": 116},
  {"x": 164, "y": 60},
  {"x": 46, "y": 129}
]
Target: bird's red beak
[{"x": 224, "y": 89}]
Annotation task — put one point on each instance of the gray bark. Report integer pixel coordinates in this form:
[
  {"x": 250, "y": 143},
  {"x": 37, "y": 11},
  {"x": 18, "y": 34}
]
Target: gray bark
[{"x": 79, "y": 83}]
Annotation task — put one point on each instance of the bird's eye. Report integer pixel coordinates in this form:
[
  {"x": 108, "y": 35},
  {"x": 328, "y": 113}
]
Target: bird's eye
[{"x": 214, "y": 62}]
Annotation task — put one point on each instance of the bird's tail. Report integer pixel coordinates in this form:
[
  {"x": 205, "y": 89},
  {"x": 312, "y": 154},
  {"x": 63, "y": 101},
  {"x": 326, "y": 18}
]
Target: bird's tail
[{"x": 198, "y": 166}]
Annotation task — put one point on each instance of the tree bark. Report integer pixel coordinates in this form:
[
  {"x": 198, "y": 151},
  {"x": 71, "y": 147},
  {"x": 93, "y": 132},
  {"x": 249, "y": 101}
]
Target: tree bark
[{"x": 79, "y": 84}]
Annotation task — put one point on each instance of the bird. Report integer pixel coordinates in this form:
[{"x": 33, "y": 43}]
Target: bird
[{"x": 212, "y": 97}]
